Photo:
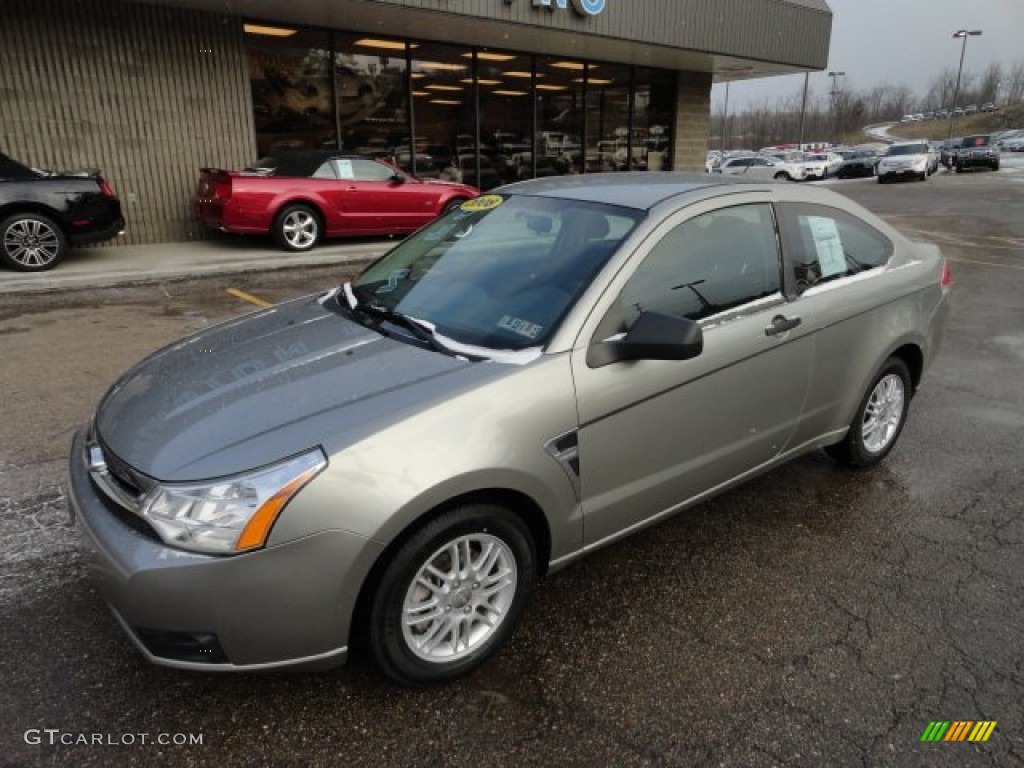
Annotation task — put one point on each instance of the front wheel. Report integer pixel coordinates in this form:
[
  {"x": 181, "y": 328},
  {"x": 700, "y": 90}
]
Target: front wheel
[
  {"x": 31, "y": 242},
  {"x": 879, "y": 420},
  {"x": 297, "y": 228},
  {"x": 781, "y": 176},
  {"x": 451, "y": 594}
]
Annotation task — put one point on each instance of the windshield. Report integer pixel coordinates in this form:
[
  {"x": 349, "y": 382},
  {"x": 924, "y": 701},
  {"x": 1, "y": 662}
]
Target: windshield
[
  {"x": 498, "y": 272},
  {"x": 907, "y": 149}
]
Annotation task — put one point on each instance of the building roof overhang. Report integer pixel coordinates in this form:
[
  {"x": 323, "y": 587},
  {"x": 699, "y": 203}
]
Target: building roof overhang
[{"x": 729, "y": 39}]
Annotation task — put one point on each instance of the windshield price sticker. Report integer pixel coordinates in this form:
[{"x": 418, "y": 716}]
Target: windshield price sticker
[{"x": 483, "y": 203}]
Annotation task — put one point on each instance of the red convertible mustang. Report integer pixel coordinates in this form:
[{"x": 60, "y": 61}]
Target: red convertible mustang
[{"x": 301, "y": 196}]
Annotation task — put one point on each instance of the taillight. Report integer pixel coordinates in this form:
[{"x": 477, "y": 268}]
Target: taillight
[
  {"x": 222, "y": 189},
  {"x": 947, "y": 276},
  {"x": 106, "y": 189}
]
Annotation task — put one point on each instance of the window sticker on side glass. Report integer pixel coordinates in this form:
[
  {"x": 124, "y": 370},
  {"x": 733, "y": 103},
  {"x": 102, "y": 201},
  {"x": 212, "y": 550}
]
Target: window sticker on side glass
[
  {"x": 345, "y": 169},
  {"x": 828, "y": 245}
]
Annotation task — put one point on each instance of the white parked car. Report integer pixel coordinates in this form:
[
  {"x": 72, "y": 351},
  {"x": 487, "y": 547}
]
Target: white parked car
[
  {"x": 821, "y": 165},
  {"x": 763, "y": 167},
  {"x": 906, "y": 158}
]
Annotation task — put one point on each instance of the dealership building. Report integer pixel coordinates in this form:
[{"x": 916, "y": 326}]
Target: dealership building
[{"x": 487, "y": 91}]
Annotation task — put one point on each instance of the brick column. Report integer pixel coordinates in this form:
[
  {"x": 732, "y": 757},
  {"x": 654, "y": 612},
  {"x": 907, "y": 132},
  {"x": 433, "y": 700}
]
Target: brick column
[{"x": 693, "y": 121}]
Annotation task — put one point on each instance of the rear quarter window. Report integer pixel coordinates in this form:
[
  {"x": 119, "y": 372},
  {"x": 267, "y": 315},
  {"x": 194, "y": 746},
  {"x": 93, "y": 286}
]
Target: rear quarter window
[{"x": 825, "y": 244}]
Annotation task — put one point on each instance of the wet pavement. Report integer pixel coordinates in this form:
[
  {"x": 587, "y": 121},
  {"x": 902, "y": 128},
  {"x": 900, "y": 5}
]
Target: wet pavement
[{"x": 814, "y": 616}]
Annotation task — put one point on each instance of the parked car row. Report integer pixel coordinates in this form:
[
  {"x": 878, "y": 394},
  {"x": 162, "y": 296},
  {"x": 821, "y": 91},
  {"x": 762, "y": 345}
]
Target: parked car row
[
  {"x": 945, "y": 112},
  {"x": 43, "y": 212}
]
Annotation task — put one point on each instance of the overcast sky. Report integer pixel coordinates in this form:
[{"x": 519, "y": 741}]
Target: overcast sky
[{"x": 898, "y": 42}]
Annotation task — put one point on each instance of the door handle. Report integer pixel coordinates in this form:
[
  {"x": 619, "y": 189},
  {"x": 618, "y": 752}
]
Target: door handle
[{"x": 781, "y": 324}]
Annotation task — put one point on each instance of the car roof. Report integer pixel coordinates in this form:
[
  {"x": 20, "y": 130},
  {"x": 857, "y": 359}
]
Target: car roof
[{"x": 638, "y": 189}]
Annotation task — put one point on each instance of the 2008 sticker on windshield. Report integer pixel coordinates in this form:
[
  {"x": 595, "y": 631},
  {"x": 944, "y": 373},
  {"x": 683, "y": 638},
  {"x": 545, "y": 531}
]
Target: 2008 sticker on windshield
[{"x": 482, "y": 203}]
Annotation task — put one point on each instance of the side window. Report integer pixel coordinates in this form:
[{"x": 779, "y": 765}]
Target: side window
[
  {"x": 368, "y": 170},
  {"x": 827, "y": 244},
  {"x": 325, "y": 171},
  {"x": 708, "y": 264}
]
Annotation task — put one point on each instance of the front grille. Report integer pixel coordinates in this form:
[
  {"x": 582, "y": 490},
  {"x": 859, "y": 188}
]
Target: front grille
[{"x": 118, "y": 486}]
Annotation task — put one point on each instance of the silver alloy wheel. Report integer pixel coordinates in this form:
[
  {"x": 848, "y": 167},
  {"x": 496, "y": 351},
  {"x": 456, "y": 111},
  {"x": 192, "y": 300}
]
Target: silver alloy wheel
[
  {"x": 299, "y": 229},
  {"x": 32, "y": 243},
  {"x": 883, "y": 413},
  {"x": 459, "y": 598}
]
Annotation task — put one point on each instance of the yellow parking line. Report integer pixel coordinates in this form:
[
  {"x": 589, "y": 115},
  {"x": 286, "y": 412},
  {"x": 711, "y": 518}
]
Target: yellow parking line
[{"x": 250, "y": 298}]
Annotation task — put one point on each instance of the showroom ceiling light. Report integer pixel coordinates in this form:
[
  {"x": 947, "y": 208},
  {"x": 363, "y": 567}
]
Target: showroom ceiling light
[
  {"x": 510, "y": 93},
  {"x": 543, "y": 87},
  {"x": 469, "y": 81},
  {"x": 487, "y": 56},
  {"x": 260, "y": 29},
  {"x": 576, "y": 66},
  {"x": 435, "y": 87},
  {"x": 447, "y": 102},
  {"x": 440, "y": 65},
  {"x": 390, "y": 45},
  {"x": 516, "y": 73}
]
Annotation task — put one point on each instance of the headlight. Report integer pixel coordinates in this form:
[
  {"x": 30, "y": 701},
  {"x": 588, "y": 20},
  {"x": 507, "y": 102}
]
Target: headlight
[{"x": 233, "y": 514}]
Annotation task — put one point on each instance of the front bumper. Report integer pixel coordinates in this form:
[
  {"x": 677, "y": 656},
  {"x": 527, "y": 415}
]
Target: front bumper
[
  {"x": 284, "y": 606},
  {"x": 895, "y": 172}
]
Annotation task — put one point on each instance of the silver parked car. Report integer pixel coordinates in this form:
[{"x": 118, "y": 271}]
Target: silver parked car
[{"x": 528, "y": 378}]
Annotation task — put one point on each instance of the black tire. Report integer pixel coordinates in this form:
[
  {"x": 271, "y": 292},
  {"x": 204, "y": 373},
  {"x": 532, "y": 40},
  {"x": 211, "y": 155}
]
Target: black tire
[
  {"x": 923, "y": 175},
  {"x": 298, "y": 227},
  {"x": 31, "y": 242},
  {"x": 881, "y": 179},
  {"x": 451, "y": 205},
  {"x": 856, "y": 450},
  {"x": 995, "y": 167},
  {"x": 391, "y": 641},
  {"x": 781, "y": 176}
]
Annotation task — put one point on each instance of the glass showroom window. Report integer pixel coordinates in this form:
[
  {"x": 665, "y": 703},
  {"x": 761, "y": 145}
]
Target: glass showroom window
[
  {"x": 444, "y": 113},
  {"x": 369, "y": 85},
  {"x": 654, "y": 100},
  {"x": 608, "y": 125},
  {"x": 293, "y": 103},
  {"x": 559, "y": 104},
  {"x": 506, "y": 114}
]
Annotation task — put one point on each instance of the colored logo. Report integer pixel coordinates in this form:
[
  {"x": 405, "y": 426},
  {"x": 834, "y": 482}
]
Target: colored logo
[
  {"x": 582, "y": 7},
  {"x": 958, "y": 730}
]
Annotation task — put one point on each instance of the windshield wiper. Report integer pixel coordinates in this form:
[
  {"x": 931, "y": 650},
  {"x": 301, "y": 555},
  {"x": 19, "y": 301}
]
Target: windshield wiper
[{"x": 419, "y": 328}]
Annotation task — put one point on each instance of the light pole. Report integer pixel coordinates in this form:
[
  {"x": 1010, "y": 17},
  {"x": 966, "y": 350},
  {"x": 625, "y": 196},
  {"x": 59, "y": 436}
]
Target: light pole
[
  {"x": 725, "y": 117},
  {"x": 834, "y": 93},
  {"x": 803, "y": 112},
  {"x": 964, "y": 33}
]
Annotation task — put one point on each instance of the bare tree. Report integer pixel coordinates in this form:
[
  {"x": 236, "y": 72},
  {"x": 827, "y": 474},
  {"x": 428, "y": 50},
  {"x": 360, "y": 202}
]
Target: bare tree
[{"x": 988, "y": 88}]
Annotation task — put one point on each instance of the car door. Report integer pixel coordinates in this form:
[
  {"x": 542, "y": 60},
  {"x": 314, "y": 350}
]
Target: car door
[
  {"x": 761, "y": 168},
  {"x": 654, "y": 434},
  {"x": 372, "y": 201},
  {"x": 835, "y": 264}
]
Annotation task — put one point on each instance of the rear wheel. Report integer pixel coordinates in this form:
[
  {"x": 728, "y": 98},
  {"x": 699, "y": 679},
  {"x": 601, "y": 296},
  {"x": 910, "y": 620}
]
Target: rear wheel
[
  {"x": 781, "y": 176},
  {"x": 297, "y": 228},
  {"x": 879, "y": 420},
  {"x": 451, "y": 594},
  {"x": 31, "y": 242}
]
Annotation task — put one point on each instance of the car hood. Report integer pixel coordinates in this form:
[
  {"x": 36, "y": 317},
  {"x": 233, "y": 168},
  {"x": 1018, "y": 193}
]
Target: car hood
[{"x": 265, "y": 386}]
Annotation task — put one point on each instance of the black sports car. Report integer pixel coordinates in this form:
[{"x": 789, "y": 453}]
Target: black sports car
[{"x": 41, "y": 212}]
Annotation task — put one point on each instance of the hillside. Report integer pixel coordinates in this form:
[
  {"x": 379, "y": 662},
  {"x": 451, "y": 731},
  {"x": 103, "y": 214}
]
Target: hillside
[{"x": 1010, "y": 116}]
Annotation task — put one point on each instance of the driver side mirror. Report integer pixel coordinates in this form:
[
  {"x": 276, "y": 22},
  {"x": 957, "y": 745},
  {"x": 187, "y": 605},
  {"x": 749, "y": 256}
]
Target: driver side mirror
[
  {"x": 654, "y": 336},
  {"x": 397, "y": 178}
]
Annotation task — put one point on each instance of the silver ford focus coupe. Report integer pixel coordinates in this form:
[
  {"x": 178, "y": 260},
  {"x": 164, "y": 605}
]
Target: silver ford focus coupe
[{"x": 392, "y": 464}]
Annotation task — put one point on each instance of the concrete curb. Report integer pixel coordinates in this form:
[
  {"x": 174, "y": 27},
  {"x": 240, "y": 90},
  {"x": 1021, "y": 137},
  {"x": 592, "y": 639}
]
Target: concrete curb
[{"x": 112, "y": 266}]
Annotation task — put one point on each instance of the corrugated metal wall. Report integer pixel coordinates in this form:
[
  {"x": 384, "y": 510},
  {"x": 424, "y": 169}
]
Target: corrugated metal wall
[
  {"x": 788, "y": 31},
  {"x": 147, "y": 94}
]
